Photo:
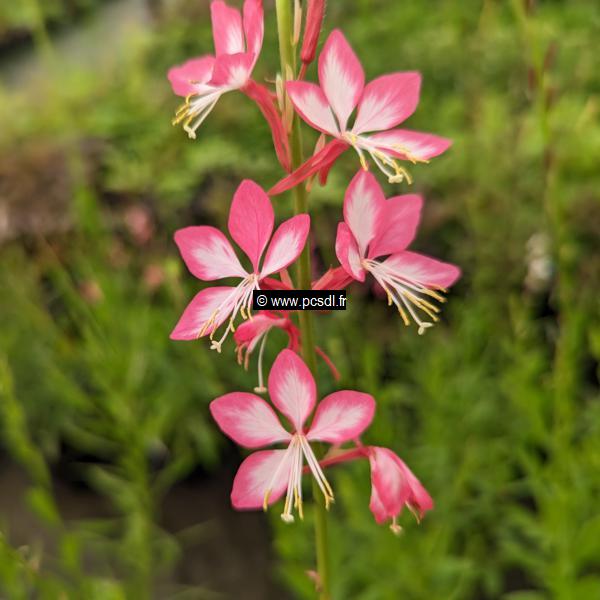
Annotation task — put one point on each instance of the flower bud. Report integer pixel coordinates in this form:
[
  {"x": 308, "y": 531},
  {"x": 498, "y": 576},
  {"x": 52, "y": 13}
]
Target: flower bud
[{"x": 314, "y": 22}]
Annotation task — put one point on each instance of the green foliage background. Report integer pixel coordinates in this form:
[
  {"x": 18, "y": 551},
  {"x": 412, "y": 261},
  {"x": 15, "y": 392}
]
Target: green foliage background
[{"x": 496, "y": 410}]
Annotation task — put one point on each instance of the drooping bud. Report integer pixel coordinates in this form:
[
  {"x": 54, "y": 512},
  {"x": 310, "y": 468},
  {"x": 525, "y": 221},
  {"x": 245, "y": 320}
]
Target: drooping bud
[{"x": 314, "y": 22}]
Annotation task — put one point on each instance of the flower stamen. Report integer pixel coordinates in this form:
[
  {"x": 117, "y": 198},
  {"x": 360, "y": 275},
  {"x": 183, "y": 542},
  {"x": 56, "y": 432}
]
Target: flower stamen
[
  {"x": 241, "y": 297},
  {"x": 317, "y": 472},
  {"x": 195, "y": 109},
  {"x": 406, "y": 295}
]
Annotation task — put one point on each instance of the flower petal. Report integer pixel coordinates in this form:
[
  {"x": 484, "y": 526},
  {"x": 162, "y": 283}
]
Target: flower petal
[
  {"x": 232, "y": 71},
  {"x": 203, "y": 306},
  {"x": 322, "y": 159},
  {"x": 227, "y": 28},
  {"x": 251, "y": 220},
  {"x": 341, "y": 76},
  {"x": 250, "y": 332},
  {"x": 292, "y": 388},
  {"x": 259, "y": 472},
  {"x": 254, "y": 25},
  {"x": 363, "y": 203},
  {"x": 389, "y": 484},
  {"x": 312, "y": 106},
  {"x": 286, "y": 245},
  {"x": 346, "y": 250},
  {"x": 377, "y": 507},
  {"x": 410, "y": 145},
  {"x": 419, "y": 499},
  {"x": 342, "y": 416},
  {"x": 208, "y": 253},
  {"x": 394, "y": 486},
  {"x": 387, "y": 101},
  {"x": 397, "y": 225},
  {"x": 267, "y": 106},
  {"x": 194, "y": 71},
  {"x": 423, "y": 269},
  {"x": 248, "y": 420}
]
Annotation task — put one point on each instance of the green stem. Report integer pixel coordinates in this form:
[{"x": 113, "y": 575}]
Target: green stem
[{"x": 288, "y": 66}]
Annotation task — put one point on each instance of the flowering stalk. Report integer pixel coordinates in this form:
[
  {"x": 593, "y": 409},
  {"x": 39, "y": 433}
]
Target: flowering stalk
[
  {"x": 372, "y": 239},
  {"x": 288, "y": 65}
]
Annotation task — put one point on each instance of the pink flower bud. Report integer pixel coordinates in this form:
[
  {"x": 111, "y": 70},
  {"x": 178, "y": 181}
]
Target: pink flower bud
[{"x": 314, "y": 22}]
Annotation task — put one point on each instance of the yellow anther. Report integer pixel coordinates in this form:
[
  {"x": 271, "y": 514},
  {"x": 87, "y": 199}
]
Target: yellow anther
[
  {"x": 409, "y": 155},
  {"x": 418, "y": 302},
  {"x": 266, "y": 500},
  {"x": 415, "y": 513},
  {"x": 434, "y": 294},
  {"x": 298, "y": 503},
  {"x": 403, "y": 315},
  {"x": 401, "y": 174},
  {"x": 207, "y": 324}
]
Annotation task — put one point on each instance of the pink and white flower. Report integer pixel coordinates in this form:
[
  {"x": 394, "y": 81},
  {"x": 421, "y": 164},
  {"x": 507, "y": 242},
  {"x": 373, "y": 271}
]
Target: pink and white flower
[
  {"x": 382, "y": 104},
  {"x": 253, "y": 334},
  {"x": 394, "y": 486},
  {"x": 265, "y": 476},
  {"x": 209, "y": 255},
  {"x": 202, "y": 81},
  {"x": 373, "y": 228}
]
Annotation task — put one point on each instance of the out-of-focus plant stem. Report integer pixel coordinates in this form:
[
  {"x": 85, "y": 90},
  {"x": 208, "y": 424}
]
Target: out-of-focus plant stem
[
  {"x": 287, "y": 52},
  {"x": 570, "y": 332}
]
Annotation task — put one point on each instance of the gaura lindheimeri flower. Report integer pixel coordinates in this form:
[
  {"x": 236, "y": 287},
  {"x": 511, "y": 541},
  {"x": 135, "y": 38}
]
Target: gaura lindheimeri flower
[
  {"x": 373, "y": 228},
  {"x": 382, "y": 104},
  {"x": 202, "y": 81},
  {"x": 255, "y": 331},
  {"x": 209, "y": 255},
  {"x": 393, "y": 487},
  {"x": 393, "y": 484},
  {"x": 248, "y": 420}
]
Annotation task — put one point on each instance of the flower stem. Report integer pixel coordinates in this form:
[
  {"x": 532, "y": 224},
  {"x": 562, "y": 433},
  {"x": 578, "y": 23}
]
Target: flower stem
[{"x": 288, "y": 66}]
